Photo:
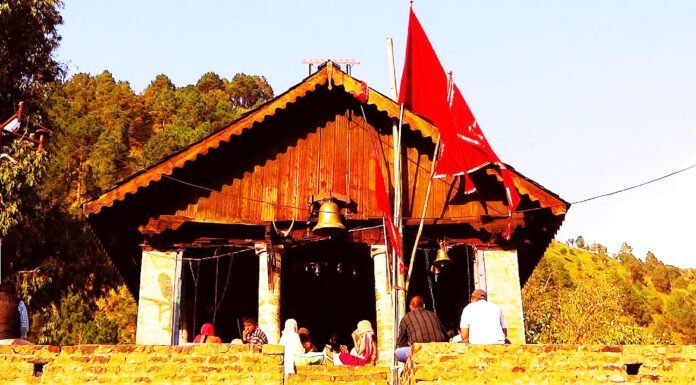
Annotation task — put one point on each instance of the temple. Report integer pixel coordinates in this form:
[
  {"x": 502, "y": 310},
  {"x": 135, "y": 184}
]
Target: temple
[{"x": 226, "y": 227}]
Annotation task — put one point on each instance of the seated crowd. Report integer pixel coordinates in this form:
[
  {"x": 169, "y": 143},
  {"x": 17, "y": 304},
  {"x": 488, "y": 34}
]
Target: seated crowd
[{"x": 482, "y": 322}]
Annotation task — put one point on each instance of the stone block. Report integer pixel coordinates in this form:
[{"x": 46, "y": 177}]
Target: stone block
[{"x": 272, "y": 349}]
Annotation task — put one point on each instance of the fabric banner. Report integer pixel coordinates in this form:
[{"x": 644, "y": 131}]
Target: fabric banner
[{"x": 427, "y": 91}]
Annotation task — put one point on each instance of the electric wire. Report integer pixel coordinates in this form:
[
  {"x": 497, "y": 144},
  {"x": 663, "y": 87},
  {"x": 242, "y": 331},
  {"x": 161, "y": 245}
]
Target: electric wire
[{"x": 128, "y": 163}]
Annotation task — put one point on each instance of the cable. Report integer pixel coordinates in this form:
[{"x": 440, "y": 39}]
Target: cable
[
  {"x": 125, "y": 162},
  {"x": 635, "y": 186}
]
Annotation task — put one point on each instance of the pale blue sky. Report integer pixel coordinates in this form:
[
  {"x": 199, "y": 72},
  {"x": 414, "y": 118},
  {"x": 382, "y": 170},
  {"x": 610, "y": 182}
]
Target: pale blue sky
[{"x": 584, "y": 97}]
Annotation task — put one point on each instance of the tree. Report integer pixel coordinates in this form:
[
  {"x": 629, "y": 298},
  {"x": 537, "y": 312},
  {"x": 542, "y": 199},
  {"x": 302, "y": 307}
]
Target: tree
[
  {"x": 208, "y": 82},
  {"x": 28, "y": 38},
  {"x": 248, "y": 91},
  {"x": 18, "y": 183},
  {"x": 580, "y": 242}
]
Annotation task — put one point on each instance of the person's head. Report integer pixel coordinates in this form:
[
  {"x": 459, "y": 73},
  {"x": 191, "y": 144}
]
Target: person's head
[
  {"x": 208, "y": 329},
  {"x": 290, "y": 326},
  {"x": 364, "y": 326},
  {"x": 250, "y": 324},
  {"x": 478, "y": 294},
  {"x": 304, "y": 335},
  {"x": 416, "y": 302},
  {"x": 334, "y": 343}
]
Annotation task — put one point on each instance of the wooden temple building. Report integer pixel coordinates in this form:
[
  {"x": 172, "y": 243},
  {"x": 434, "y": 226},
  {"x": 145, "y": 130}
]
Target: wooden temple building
[{"x": 223, "y": 228}]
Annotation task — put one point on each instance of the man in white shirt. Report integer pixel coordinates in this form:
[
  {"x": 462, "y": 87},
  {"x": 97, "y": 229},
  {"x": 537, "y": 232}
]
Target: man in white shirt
[{"x": 482, "y": 322}]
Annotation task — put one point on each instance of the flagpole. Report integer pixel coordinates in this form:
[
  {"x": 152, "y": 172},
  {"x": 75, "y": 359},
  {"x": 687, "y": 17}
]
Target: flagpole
[
  {"x": 422, "y": 219},
  {"x": 398, "y": 300}
]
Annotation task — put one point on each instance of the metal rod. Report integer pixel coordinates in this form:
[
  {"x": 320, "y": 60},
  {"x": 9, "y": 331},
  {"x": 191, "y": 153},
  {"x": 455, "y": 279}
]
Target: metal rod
[
  {"x": 425, "y": 208},
  {"x": 392, "y": 69}
]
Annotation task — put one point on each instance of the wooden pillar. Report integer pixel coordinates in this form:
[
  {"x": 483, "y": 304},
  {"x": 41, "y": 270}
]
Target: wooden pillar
[
  {"x": 269, "y": 294},
  {"x": 158, "y": 300},
  {"x": 383, "y": 305},
  {"x": 502, "y": 282}
]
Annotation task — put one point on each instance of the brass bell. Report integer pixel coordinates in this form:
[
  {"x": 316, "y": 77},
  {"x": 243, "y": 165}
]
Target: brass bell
[
  {"x": 329, "y": 221},
  {"x": 442, "y": 258}
]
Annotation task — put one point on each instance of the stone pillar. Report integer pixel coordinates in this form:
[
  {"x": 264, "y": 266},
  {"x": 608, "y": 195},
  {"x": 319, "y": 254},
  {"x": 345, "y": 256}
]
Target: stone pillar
[
  {"x": 383, "y": 305},
  {"x": 502, "y": 280},
  {"x": 159, "y": 276},
  {"x": 269, "y": 294}
]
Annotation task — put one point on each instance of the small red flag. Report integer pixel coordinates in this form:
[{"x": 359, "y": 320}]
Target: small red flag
[{"x": 383, "y": 203}]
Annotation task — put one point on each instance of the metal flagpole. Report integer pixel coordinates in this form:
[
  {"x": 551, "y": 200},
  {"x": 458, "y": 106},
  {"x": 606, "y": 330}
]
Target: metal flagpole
[{"x": 396, "y": 135}]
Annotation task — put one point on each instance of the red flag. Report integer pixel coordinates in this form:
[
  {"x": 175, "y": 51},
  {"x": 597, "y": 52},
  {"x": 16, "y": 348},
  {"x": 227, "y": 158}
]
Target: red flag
[
  {"x": 482, "y": 153},
  {"x": 426, "y": 90},
  {"x": 384, "y": 205}
]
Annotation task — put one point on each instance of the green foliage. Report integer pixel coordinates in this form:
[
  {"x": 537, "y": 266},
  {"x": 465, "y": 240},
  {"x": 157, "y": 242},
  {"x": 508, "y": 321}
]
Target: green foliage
[
  {"x": 249, "y": 91},
  {"x": 28, "y": 38},
  {"x": 586, "y": 297},
  {"x": 18, "y": 183},
  {"x": 102, "y": 132},
  {"x": 72, "y": 323}
]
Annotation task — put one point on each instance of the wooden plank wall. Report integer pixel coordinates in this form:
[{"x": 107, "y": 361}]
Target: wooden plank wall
[{"x": 334, "y": 157}]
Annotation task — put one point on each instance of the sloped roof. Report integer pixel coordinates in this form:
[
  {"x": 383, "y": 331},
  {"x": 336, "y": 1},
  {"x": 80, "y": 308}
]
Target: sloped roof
[{"x": 329, "y": 75}]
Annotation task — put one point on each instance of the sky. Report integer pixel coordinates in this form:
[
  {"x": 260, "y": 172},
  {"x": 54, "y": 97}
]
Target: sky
[{"x": 584, "y": 97}]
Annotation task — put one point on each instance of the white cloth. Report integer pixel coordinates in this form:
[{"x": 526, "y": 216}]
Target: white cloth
[
  {"x": 12, "y": 125},
  {"x": 485, "y": 322},
  {"x": 23, "y": 320},
  {"x": 293, "y": 346}
]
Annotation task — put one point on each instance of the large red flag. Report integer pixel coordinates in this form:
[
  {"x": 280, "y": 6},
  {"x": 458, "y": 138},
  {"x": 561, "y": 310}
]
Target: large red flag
[
  {"x": 426, "y": 90},
  {"x": 482, "y": 153}
]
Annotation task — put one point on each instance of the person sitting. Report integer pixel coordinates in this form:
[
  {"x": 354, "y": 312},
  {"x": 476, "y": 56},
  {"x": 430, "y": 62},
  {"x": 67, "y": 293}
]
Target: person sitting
[
  {"x": 306, "y": 340},
  {"x": 418, "y": 326},
  {"x": 292, "y": 344},
  {"x": 365, "y": 350},
  {"x": 251, "y": 334},
  {"x": 482, "y": 322},
  {"x": 207, "y": 335},
  {"x": 9, "y": 313},
  {"x": 332, "y": 351}
]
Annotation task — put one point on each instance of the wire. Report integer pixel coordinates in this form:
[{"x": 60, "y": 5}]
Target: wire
[
  {"x": 635, "y": 186},
  {"x": 125, "y": 162}
]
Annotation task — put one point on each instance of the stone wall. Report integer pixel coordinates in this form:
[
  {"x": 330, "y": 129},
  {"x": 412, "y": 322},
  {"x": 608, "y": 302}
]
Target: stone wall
[
  {"x": 158, "y": 292},
  {"x": 445, "y": 363},
  {"x": 431, "y": 364},
  {"x": 133, "y": 364}
]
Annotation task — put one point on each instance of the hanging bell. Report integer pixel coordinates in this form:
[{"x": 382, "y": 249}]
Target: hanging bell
[
  {"x": 442, "y": 259},
  {"x": 329, "y": 221}
]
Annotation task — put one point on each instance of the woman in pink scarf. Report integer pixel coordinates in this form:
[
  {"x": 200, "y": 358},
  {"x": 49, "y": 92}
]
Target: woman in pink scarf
[
  {"x": 207, "y": 335},
  {"x": 365, "y": 350}
]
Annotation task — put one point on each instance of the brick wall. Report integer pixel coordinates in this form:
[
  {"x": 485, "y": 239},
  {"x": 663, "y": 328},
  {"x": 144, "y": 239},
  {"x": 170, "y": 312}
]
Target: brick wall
[
  {"x": 431, "y": 364},
  {"x": 134, "y": 364},
  {"x": 445, "y": 363}
]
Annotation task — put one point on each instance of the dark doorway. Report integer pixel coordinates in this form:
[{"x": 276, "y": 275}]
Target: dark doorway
[
  {"x": 328, "y": 287},
  {"x": 447, "y": 291},
  {"x": 225, "y": 273}
]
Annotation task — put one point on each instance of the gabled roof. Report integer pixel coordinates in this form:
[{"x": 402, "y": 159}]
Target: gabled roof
[{"x": 329, "y": 76}]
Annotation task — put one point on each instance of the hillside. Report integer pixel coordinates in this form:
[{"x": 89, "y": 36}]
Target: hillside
[{"x": 579, "y": 294}]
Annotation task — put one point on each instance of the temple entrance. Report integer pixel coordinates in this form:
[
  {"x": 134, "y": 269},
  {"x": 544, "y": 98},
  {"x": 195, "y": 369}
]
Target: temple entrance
[
  {"x": 220, "y": 286},
  {"x": 447, "y": 291},
  {"x": 328, "y": 287}
]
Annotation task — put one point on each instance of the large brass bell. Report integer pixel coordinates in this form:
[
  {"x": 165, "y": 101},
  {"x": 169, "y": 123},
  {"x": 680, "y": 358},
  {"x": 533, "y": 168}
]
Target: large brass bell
[
  {"x": 442, "y": 258},
  {"x": 329, "y": 220}
]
